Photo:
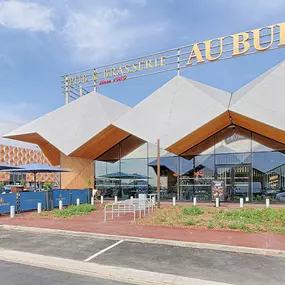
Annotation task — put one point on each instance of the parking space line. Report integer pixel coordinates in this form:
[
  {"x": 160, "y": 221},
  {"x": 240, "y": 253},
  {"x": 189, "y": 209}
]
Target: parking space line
[{"x": 103, "y": 250}]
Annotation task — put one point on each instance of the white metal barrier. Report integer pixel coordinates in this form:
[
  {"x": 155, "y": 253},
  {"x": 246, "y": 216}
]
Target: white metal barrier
[{"x": 129, "y": 206}]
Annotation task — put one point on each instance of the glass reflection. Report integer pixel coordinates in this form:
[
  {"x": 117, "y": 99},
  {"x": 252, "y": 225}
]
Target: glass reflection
[{"x": 249, "y": 164}]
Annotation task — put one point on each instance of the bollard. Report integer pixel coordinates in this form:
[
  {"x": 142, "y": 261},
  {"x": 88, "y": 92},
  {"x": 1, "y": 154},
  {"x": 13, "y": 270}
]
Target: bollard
[
  {"x": 246, "y": 199},
  {"x": 132, "y": 197},
  {"x": 116, "y": 199},
  {"x": 153, "y": 199},
  {"x": 77, "y": 201},
  {"x": 92, "y": 200},
  {"x": 60, "y": 204},
  {"x": 217, "y": 202},
  {"x": 194, "y": 201},
  {"x": 12, "y": 211},
  {"x": 267, "y": 201},
  {"x": 241, "y": 202},
  {"x": 102, "y": 199},
  {"x": 173, "y": 201},
  {"x": 39, "y": 208}
]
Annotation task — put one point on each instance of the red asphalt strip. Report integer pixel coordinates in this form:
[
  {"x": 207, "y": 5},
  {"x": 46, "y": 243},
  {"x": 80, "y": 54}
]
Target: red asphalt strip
[{"x": 93, "y": 223}]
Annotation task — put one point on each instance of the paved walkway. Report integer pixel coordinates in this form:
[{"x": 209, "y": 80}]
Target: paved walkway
[{"x": 123, "y": 225}]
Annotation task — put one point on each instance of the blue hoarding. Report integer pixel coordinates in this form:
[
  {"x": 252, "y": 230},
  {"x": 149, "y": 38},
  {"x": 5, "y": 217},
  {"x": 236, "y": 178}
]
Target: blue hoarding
[
  {"x": 7, "y": 200},
  {"x": 63, "y": 195},
  {"x": 81, "y": 194},
  {"x": 30, "y": 200}
]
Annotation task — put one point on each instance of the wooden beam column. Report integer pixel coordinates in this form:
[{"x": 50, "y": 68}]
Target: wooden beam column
[{"x": 81, "y": 175}]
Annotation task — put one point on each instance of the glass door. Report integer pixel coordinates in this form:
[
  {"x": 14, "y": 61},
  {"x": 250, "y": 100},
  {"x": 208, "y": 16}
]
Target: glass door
[
  {"x": 236, "y": 179},
  {"x": 225, "y": 173},
  {"x": 241, "y": 181}
]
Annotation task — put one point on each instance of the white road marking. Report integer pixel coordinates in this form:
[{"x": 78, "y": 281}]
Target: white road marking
[{"x": 102, "y": 251}]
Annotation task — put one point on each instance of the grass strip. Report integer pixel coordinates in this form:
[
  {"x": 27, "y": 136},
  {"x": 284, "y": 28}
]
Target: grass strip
[{"x": 74, "y": 210}]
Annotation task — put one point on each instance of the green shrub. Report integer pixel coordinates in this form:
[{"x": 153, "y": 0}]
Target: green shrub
[
  {"x": 189, "y": 223},
  {"x": 258, "y": 197},
  {"x": 238, "y": 226},
  {"x": 211, "y": 226},
  {"x": 192, "y": 211},
  {"x": 163, "y": 220},
  {"x": 47, "y": 185},
  {"x": 74, "y": 210},
  {"x": 279, "y": 230},
  {"x": 222, "y": 225},
  {"x": 248, "y": 216},
  {"x": 271, "y": 215},
  {"x": 233, "y": 226}
]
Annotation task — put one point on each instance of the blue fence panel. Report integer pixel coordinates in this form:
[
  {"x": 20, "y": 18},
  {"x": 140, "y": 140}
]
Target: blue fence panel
[
  {"x": 81, "y": 194},
  {"x": 63, "y": 195},
  {"x": 30, "y": 200},
  {"x": 7, "y": 200}
]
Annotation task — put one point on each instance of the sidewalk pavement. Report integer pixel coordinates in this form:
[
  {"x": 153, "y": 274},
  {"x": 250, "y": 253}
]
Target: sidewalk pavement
[{"x": 123, "y": 226}]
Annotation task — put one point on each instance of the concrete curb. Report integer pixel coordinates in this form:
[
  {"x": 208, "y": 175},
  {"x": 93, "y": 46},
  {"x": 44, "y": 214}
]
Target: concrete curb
[
  {"x": 220, "y": 247},
  {"x": 127, "y": 275}
]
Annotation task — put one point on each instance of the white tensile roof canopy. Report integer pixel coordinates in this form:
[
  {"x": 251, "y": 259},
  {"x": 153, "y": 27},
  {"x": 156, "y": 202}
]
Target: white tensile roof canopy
[
  {"x": 182, "y": 113},
  {"x": 69, "y": 128},
  {"x": 174, "y": 113}
]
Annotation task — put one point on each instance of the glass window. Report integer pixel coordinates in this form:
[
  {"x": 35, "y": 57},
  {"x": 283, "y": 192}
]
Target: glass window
[
  {"x": 233, "y": 139},
  {"x": 197, "y": 171},
  {"x": 134, "y": 178},
  {"x": 152, "y": 151},
  {"x": 204, "y": 148},
  {"x": 16, "y": 177},
  {"x": 169, "y": 170},
  {"x": 107, "y": 173},
  {"x": 268, "y": 175},
  {"x": 263, "y": 144},
  {"x": 140, "y": 152}
]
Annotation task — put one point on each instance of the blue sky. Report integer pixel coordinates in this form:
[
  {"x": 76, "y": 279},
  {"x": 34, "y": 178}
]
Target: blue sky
[{"x": 41, "y": 40}]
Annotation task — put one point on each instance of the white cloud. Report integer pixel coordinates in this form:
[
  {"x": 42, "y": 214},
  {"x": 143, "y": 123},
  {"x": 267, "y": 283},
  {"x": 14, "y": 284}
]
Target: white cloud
[
  {"x": 25, "y": 16},
  {"x": 106, "y": 34},
  {"x": 13, "y": 116}
]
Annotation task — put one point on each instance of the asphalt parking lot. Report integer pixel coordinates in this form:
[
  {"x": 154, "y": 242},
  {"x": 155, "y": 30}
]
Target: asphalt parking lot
[
  {"x": 220, "y": 266},
  {"x": 18, "y": 274}
]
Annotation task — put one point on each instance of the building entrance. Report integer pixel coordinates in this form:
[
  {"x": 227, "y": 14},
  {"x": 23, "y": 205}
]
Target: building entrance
[{"x": 237, "y": 179}]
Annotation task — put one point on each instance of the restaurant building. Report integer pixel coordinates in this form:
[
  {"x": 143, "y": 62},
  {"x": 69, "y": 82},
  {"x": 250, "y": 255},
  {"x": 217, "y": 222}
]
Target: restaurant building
[
  {"x": 17, "y": 153},
  {"x": 205, "y": 135}
]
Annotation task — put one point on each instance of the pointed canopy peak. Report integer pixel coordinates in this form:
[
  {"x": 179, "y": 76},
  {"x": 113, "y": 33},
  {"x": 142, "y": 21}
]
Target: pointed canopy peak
[
  {"x": 218, "y": 95},
  {"x": 171, "y": 111},
  {"x": 181, "y": 83},
  {"x": 70, "y": 126},
  {"x": 266, "y": 79},
  {"x": 112, "y": 108},
  {"x": 259, "y": 106}
]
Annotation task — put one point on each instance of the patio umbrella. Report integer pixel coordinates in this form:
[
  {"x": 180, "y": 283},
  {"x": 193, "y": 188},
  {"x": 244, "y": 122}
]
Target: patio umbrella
[
  {"x": 123, "y": 175},
  {"x": 37, "y": 168},
  {"x": 4, "y": 166}
]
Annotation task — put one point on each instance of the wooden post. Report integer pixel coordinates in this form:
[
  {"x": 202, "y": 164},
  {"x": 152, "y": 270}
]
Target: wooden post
[{"x": 158, "y": 173}]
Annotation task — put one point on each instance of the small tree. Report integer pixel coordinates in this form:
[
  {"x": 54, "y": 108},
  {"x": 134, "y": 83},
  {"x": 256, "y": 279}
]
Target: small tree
[
  {"x": 23, "y": 181},
  {"x": 1, "y": 184},
  {"x": 47, "y": 186}
]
